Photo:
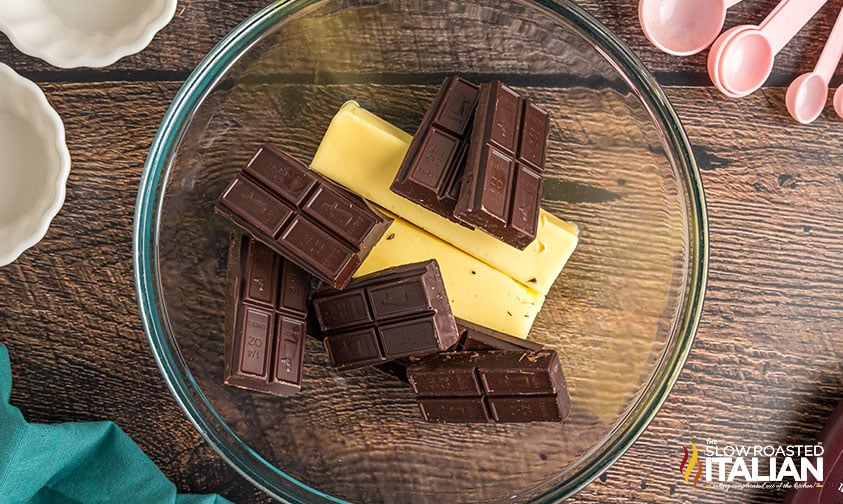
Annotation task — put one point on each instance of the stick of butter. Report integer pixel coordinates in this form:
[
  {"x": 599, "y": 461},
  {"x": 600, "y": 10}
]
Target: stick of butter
[
  {"x": 363, "y": 153},
  {"x": 478, "y": 293}
]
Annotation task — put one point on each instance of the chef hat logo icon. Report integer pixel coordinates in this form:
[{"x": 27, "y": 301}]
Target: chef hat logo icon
[{"x": 687, "y": 466}]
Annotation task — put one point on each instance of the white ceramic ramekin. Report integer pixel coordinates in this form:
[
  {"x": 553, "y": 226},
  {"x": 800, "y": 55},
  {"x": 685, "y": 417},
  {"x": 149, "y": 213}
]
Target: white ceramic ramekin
[
  {"x": 83, "y": 33},
  {"x": 34, "y": 164}
]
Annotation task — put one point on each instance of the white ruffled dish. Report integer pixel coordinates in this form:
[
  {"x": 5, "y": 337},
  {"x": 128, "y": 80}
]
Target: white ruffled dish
[
  {"x": 77, "y": 33},
  {"x": 34, "y": 164}
]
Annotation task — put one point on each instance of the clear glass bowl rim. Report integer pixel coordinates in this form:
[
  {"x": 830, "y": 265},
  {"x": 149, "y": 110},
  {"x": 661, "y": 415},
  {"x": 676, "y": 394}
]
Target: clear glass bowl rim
[{"x": 175, "y": 371}]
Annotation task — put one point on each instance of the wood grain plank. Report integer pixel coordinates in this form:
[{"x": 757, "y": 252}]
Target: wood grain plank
[
  {"x": 798, "y": 57},
  {"x": 68, "y": 311},
  {"x": 203, "y": 23},
  {"x": 766, "y": 366},
  {"x": 197, "y": 26}
]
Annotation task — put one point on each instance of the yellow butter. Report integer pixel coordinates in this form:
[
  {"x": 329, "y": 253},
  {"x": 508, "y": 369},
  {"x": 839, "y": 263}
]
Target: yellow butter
[
  {"x": 363, "y": 153},
  {"x": 478, "y": 293}
]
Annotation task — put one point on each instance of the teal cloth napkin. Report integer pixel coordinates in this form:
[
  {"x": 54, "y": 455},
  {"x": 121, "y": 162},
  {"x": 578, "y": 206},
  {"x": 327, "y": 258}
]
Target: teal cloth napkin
[{"x": 76, "y": 463}]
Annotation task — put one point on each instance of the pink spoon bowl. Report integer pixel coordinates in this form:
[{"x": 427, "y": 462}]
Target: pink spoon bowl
[
  {"x": 838, "y": 101},
  {"x": 682, "y": 27},
  {"x": 743, "y": 57},
  {"x": 806, "y": 96},
  {"x": 746, "y": 62},
  {"x": 713, "y": 55}
]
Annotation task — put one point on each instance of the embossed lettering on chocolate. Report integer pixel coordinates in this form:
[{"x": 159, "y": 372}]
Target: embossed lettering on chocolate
[
  {"x": 490, "y": 386},
  {"x": 266, "y": 308},
  {"x": 502, "y": 184},
  {"x": 398, "y": 312},
  {"x": 431, "y": 172},
  {"x": 303, "y": 216}
]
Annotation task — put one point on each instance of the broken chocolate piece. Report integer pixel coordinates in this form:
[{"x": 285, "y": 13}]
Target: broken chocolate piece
[
  {"x": 491, "y": 386},
  {"x": 266, "y": 308},
  {"x": 472, "y": 337},
  {"x": 394, "y": 313},
  {"x": 431, "y": 173},
  {"x": 303, "y": 216},
  {"x": 475, "y": 337},
  {"x": 502, "y": 184}
]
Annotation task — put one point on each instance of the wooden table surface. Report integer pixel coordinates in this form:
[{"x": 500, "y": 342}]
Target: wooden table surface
[{"x": 766, "y": 366}]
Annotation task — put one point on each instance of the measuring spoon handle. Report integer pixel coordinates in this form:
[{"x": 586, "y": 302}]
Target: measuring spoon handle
[
  {"x": 833, "y": 50},
  {"x": 787, "y": 19}
]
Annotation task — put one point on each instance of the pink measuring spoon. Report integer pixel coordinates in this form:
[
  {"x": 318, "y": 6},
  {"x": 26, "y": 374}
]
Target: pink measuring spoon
[
  {"x": 743, "y": 60},
  {"x": 682, "y": 27},
  {"x": 806, "y": 96},
  {"x": 721, "y": 42},
  {"x": 717, "y": 47},
  {"x": 838, "y": 101}
]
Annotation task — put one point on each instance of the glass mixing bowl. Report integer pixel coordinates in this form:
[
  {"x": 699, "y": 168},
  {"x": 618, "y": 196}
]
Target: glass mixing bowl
[{"x": 622, "y": 315}]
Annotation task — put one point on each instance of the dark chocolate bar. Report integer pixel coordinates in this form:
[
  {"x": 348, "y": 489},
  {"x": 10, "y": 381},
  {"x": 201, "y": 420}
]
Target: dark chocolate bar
[
  {"x": 266, "y": 308},
  {"x": 502, "y": 185},
  {"x": 490, "y": 386},
  {"x": 476, "y": 337},
  {"x": 472, "y": 337},
  {"x": 303, "y": 216},
  {"x": 431, "y": 173},
  {"x": 396, "y": 368},
  {"x": 830, "y": 489},
  {"x": 399, "y": 312}
]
